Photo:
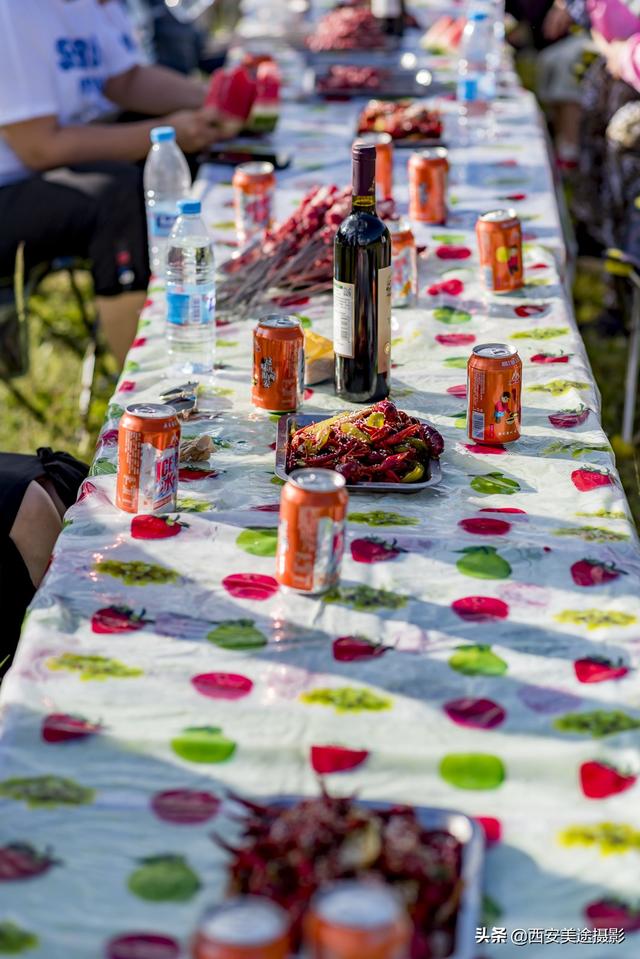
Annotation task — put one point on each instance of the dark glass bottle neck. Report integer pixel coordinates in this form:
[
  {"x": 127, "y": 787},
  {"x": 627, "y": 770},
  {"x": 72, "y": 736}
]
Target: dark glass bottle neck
[{"x": 364, "y": 184}]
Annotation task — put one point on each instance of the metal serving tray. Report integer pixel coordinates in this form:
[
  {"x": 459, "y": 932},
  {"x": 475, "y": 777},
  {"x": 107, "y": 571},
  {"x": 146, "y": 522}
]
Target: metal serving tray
[
  {"x": 291, "y": 422},
  {"x": 469, "y": 835}
]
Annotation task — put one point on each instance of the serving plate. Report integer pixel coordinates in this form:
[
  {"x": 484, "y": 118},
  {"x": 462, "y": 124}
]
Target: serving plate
[
  {"x": 469, "y": 835},
  {"x": 291, "y": 422}
]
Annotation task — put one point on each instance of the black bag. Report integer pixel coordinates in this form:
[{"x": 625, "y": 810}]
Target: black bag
[{"x": 14, "y": 339}]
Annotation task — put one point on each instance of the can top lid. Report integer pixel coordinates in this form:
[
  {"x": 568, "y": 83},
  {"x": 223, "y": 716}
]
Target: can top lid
[
  {"x": 374, "y": 138},
  {"x": 256, "y": 168},
  {"x": 433, "y": 153},
  {"x": 245, "y": 921},
  {"x": 151, "y": 411},
  {"x": 162, "y": 134},
  {"x": 498, "y": 216},
  {"x": 362, "y": 905},
  {"x": 317, "y": 480},
  {"x": 278, "y": 321},
  {"x": 495, "y": 350}
]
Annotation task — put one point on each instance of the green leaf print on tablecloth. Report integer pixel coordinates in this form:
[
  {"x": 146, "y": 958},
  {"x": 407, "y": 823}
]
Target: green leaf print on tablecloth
[
  {"x": 14, "y": 940},
  {"x": 137, "y": 573},
  {"x": 558, "y": 387},
  {"x": 257, "y": 541},
  {"x": 477, "y": 660},
  {"x": 93, "y": 667},
  {"x": 593, "y": 534},
  {"x": 46, "y": 791},
  {"x": 363, "y": 597},
  {"x": 203, "y": 744},
  {"x": 237, "y": 634},
  {"x": 598, "y": 723},
  {"x": 472, "y": 770},
  {"x": 378, "y": 517},
  {"x": 451, "y": 315},
  {"x": 595, "y": 618},
  {"x": 164, "y": 878},
  {"x": 574, "y": 449},
  {"x": 347, "y": 699},
  {"x": 483, "y": 562},
  {"x": 609, "y": 837},
  {"x": 490, "y": 483},
  {"x": 543, "y": 333}
]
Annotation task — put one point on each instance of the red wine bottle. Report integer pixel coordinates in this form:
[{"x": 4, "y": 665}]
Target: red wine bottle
[
  {"x": 390, "y": 14},
  {"x": 362, "y": 290}
]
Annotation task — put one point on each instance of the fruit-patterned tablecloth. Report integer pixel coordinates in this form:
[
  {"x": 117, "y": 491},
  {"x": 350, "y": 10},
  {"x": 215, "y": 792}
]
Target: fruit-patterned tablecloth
[{"x": 481, "y": 652}]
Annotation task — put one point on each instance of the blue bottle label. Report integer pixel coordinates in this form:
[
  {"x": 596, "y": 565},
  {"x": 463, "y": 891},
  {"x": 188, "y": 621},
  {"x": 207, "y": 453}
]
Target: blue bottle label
[
  {"x": 191, "y": 309},
  {"x": 161, "y": 222}
]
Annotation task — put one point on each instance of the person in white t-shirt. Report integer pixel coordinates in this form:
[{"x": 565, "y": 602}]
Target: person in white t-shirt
[{"x": 71, "y": 185}]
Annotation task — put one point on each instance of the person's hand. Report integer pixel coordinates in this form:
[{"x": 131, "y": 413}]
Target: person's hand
[
  {"x": 556, "y": 23},
  {"x": 195, "y": 129}
]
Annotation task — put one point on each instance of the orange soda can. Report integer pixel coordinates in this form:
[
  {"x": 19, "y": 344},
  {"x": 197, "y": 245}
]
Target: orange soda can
[
  {"x": 253, "y": 189},
  {"x": 494, "y": 394},
  {"x": 500, "y": 245},
  {"x": 384, "y": 162},
  {"x": 428, "y": 171},
  {"x": 247, "y": 927},
  {"x": 278, "y": 363},
  {"x": 313, "y": 510},
  {"x": 148, "y": 454},
  {"x": 354, "y": 920},
  {"x": 404, "y": 260}
]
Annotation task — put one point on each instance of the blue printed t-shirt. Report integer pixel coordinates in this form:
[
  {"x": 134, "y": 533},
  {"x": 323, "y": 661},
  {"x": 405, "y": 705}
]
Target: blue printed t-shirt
[{"x": 55, "y": 57}]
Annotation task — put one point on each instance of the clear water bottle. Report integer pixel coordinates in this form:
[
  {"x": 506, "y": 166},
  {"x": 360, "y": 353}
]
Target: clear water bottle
[
  {"x": 476, "y": 83},
  {"x": 167, "y": 179},
  {"x": 191, "y": 293}
]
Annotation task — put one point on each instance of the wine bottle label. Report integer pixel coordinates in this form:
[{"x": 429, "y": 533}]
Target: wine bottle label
[
  {"x": 384, "y": 318},
  {"x": 343, "y": 318},
  {"x": 386, "y": 8}
]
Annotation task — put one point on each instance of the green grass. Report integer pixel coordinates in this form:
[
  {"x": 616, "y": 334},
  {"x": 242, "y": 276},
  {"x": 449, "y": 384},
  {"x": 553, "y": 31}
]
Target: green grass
[{"x": 53, "y": 382}]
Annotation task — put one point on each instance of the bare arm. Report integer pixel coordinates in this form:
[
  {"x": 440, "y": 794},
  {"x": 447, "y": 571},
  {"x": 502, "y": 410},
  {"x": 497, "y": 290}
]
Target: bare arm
[{"x": 154, "y": 91}]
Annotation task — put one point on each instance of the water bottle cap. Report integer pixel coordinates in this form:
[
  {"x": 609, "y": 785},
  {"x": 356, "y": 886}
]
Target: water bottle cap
[
  {"x": 189, "y": 206},
  {"x": 478, "y": 16},
  {"x": 162, "y": 134}
]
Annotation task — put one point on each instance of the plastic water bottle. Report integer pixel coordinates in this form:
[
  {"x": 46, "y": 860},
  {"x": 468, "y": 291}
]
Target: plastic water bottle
[
  {"x": 167, "y": 179},
  {"x": 191, "y": 293},
  {"x": 476, "y": 84}
]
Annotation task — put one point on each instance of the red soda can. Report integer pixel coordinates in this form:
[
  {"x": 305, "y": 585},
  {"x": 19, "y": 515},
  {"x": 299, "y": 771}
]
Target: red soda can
[
  {"x": 278, "y": 364},
  {"x": 428, "y": 171},
  {"x": 494, "y": 394},
  {"x": 246, "y": 927},
  {"x": 404, "y": 260},
  {"x": 383, "y": 143},
  {"x": 354, "y": 920},
  {"x": 148, "y": 454},
  {"x": 253, "y": 189},
  {"x": 500, "y": 246},
  {"x": 313, "y": 510}
]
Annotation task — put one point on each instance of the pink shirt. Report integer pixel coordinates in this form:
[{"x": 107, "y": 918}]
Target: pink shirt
[{"x": 617, "y": 20}]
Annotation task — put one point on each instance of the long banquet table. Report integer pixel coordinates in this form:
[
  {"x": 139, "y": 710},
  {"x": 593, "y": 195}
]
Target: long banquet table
[{"x": 511, "y": 708}]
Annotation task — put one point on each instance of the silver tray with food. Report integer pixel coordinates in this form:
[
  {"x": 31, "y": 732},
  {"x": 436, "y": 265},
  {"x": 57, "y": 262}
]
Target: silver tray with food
[{"x": 378, "y": 449}]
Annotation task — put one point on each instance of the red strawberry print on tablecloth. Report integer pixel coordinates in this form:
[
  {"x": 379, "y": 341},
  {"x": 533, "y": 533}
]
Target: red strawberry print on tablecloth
[
  {"x": 460, "y": 390},
  {"x": 143, "y": 945},
  {"x": 185, "y": 807},
  {"x": 19, "y": 860},
  {"x": 268, "y": 508},
  {"x": 336, "y": 759},
  {"x": 308, "y": 393},
  {"x": 86, "y": 490},
  {"x": 483, "y": 449},
  {"x": 349, "y": 649},
  {"x": 597, "y": 669},
  {"x": 65, "y": 728},
  {"x": 550, "y": 358},
  {"x": 187, "y": 474},
  {"x": 370, "y": 549},
  {"x": 138, "y": 342},
  {"x": 150, "y": 526},
  {"x": 127, "y": 386},
  {"x": 593, "y": 572},
  {"x": 222, "y": 685},
  {"x": 451, "y": 287},
  {"x": 455, "y": 339},
  {"x": 613, "y": 914},
  {"x": 250, "y": 586},
  {"x": 503, "y": 509},
  {"x": 600, "y": 780},
  {"x": 569, "y": 419},
  {"x": 585, "y": 479},
  {"x": 529, "y": 309},
  {"x": 117, "y": 619},
  {"x": 480, "y": 609},
  {"x": 108, "y": 438},
  {"x": 475, "y": 713},
  {"x": 491, "y": 827},
  {"x": 484, "y": 526},
  {"x": 514, "y": 197},
  {"x": 453, "y": 252}
]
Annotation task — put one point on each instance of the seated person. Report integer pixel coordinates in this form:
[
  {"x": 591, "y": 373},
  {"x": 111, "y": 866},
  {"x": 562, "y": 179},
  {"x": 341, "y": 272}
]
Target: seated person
[{"x": 71, "y": 185}]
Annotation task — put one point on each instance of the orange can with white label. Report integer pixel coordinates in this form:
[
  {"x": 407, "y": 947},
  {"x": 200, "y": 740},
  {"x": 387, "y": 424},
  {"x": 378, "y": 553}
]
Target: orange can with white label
[
  {"x": 356, "y": 919},
  {"x": 278, "y": 364},
  {"x": 499, "y": 237},
  {"x": 428, "y": 172},
  {"x": 313, "y": 511},
  {"x": 254, "y": 187},
  {"x": 148, "y": 454},
  {"x": 494, "y": 394}
]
